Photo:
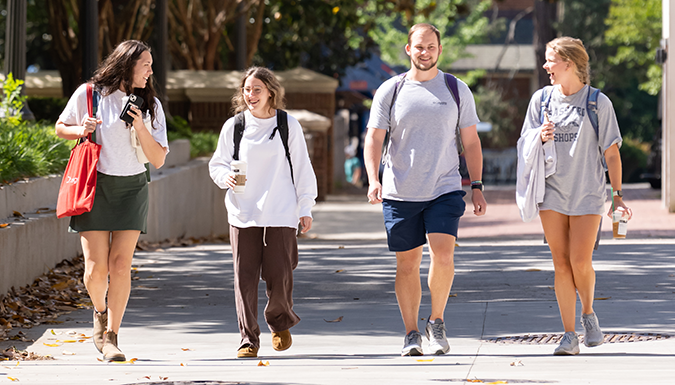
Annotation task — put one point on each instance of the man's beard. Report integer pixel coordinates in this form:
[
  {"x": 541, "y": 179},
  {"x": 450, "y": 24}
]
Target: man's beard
[{"x": 419, "y": 67}]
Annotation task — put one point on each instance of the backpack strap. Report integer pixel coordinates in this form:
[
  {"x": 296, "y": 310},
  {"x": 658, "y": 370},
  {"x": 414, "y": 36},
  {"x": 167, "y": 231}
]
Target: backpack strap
[
  {"x": 545, "y": 101},
  {"x": 592, "y": 108},
  {"x": 451, "y": 83},
  {"x": 282, "y": 127},
  {"x": 239, "y": 124}
]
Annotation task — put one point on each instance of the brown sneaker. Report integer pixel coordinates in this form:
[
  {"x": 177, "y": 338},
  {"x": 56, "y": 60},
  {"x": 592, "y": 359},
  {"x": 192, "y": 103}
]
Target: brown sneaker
[
  {"x": 110, "y": 350},
  {"x": 282, "y": 340},
  {"x": 247, "y": 351},
  {"x": 100, "y": 325}
]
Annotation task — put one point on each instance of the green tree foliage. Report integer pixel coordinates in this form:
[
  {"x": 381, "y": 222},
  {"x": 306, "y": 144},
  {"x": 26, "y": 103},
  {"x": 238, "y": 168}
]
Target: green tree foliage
[
  {"x": 620, "y": 80},
  {"x": 461, "y": 22},
  {"x": 324, "y": 36},
  {"x": 634, "y": 27}
]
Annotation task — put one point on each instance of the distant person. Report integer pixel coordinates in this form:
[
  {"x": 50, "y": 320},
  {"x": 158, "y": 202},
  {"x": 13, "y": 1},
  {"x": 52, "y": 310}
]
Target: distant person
[
  {"x": 353, "y": 163},
  {"x": 110, "y": 231},
  {"x": 558, "y": 121},
  {"x": 421, "y": 189},
  {"x": 279, "y": 194}
]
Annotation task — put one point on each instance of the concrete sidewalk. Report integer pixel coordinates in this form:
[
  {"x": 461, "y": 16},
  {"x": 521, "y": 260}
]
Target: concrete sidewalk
[{"x": 181, "y": 323}]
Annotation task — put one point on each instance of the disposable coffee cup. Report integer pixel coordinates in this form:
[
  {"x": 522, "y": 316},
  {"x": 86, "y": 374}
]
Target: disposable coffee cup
[
  {"x": 619, "y": 224},
  {"x": 239, "y": 170}
]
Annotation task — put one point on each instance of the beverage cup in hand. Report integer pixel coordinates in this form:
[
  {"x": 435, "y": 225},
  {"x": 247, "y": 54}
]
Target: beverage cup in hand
[
  {"x": 239, "y": 169},
  {"x": 619, "y": 223}
]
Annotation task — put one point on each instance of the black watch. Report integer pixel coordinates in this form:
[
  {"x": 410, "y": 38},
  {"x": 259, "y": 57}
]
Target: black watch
[
  {"x": 618, "y": 193},
  {"x": 477, "y": 186}
]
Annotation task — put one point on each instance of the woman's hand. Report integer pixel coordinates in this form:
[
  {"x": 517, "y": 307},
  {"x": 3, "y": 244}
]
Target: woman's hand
[
  {"x": 136, "y": 113},
  {"x": 88, "y": 126},
  {"x": 231, "y": 180},
  {"x": 547, "y": 130},
  {"x": 306, "y": 224},
  {"x": 620, "y": 206}
]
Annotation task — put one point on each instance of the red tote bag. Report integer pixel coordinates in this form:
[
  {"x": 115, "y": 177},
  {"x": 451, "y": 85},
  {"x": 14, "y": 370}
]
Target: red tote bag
[{"x": 78, "y": 187}]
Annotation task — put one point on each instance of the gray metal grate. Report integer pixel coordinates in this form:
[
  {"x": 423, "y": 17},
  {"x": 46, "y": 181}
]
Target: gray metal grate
[{"x": 610, "y": 338}]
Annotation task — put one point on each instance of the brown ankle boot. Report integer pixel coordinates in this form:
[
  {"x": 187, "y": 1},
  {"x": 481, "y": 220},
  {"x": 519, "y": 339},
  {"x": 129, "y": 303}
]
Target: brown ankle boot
[
  {"x": 281, "y": 340},
  {"x": 100, "y": 326},
  {"x": 110, "y": 350}
]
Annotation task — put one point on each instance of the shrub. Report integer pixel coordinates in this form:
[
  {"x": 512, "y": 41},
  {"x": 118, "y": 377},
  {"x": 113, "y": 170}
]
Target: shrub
[
  {"x": 46, "y": 109},
  {"x": 201, "y": 143},
  {"x": 30, "y": 149},
  {"x": 633, "y": 160}
]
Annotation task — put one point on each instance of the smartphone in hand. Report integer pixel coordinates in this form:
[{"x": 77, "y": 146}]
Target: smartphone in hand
[{"x": 135, "y": 100}]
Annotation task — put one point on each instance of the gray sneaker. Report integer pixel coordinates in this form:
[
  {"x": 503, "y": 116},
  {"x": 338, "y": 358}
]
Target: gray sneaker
[
  {"x": 592, "y": 334},
  {"x": 438, "y": 342},
  {"x": 412, "y": 346},
  {"x": 569, "y": 345}
]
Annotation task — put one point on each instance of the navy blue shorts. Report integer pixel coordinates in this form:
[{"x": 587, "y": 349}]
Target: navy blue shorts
[{"x": 408, "y": 223}]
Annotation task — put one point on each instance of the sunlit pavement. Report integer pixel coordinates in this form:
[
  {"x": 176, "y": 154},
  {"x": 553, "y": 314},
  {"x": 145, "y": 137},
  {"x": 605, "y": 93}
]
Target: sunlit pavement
[{"x": 180, "y": 326}]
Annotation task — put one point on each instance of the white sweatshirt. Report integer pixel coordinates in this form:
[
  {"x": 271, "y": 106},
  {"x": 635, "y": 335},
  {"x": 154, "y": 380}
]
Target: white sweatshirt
[
  {"x": 271, "y": 197},
  {"x": 536, "y": 162}
]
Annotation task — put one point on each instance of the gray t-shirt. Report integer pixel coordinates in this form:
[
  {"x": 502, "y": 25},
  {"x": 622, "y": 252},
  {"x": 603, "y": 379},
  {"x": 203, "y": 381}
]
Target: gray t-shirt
[
  {"x": 422, "y": 162},
  {"x": 578, "y": 185}
]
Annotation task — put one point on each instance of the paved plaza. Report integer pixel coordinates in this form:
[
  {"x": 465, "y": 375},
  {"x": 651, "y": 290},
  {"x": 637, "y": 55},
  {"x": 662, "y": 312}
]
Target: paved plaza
[{"x": 502, "y": 317}]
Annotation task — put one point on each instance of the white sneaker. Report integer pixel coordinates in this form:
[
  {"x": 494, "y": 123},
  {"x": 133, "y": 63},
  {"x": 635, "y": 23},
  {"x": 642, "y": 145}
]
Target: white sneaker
[
  {"x": 569, "y": 345},
  {"x": 438, "y": 342},
  {"x": 592, "y": 334},
  {"x": 412, "y": 345}
]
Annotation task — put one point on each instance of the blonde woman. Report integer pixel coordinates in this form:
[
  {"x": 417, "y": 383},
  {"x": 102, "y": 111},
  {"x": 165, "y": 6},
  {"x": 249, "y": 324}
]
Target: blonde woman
[
  {"x": 575, "y": 195},
  {"x": 279, "y": 194}
]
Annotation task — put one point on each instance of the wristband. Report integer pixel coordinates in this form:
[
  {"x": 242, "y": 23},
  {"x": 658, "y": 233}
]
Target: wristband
[{"x": 477, "y": 184}]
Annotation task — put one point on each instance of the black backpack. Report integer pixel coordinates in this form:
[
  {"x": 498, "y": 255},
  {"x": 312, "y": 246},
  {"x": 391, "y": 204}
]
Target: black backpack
[{"x": 282, "y": 127}]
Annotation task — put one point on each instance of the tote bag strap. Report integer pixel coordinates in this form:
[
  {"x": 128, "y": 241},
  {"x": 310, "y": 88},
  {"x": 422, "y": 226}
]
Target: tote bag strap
[{"x": 92, "y": 108}]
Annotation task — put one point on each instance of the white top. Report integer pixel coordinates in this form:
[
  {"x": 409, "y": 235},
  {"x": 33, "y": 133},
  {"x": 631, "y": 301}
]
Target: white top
[
  {"x": 117, "y": 157},
  {"x": 271, "y": 198},
  {"x": 422, "y": 161}
]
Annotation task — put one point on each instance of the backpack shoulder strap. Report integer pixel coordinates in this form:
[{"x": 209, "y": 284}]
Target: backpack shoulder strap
[
  {"x": 282, "y": 126},
  {"x": 239, "y": 124},
  {"x": 451, "y": 82},
  {"x": 397, "y": 87},
  {"x": 545, "y": 101},
  {"x": 592, "y": 107}
]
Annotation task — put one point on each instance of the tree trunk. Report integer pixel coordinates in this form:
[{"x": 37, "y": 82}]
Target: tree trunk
[{"x": 545, "y": 14}]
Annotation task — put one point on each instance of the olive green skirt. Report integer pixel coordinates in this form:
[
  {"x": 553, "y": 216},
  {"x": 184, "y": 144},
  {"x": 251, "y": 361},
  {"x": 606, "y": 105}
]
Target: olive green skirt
[{"x": 120, "y": 203}]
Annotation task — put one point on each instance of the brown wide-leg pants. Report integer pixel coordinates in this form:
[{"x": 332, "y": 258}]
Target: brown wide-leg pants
[{"x": 269, "y": 253}]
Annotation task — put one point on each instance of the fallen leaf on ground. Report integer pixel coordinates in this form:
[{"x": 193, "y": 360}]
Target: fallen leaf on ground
[
  {"x": 517, "y": 363},
  {"x": 428, "y": 360},
  {"x": 341, "y": 247},
  {"x": 51, "y": 345},
  {"x": 13, "y": 379},
  {"x": 3, "y": 225},
  {"x": 497, "y": 382},
  {"x": 338, "y": 319},
  {"x": 182, "y": 364},
  {"x": 474, "y": 381},
  {"x": 533, "y": 270},
  {"x": 266, "y": 363},
  {"x": 163, "y": 378},
  {"x": 452, "y": 295},
  {"x": 601, "y": 298},
  {"x": 186, "y": 349},
  {"x": 339, "y": 271}
]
